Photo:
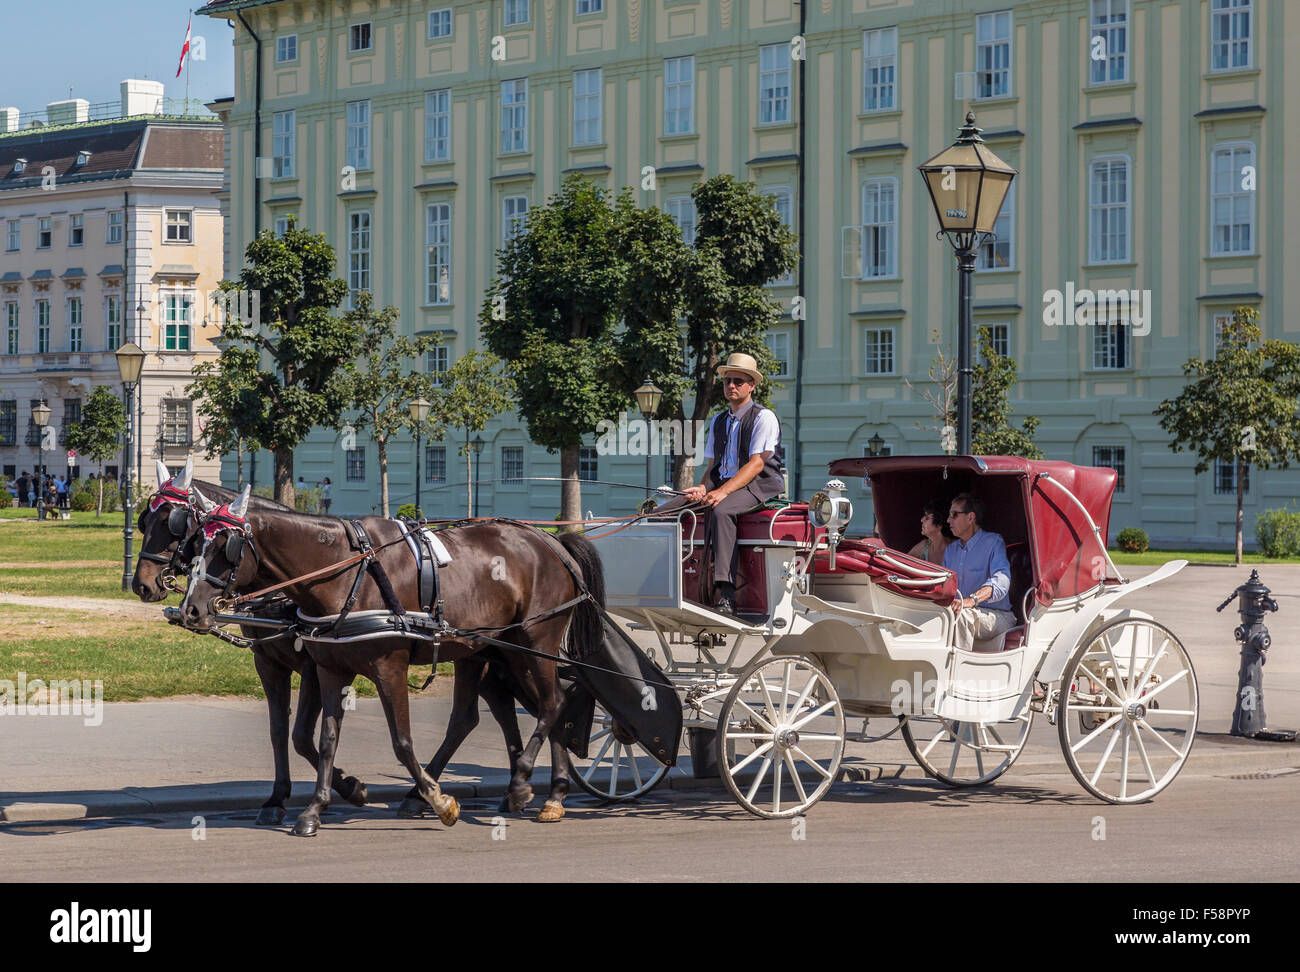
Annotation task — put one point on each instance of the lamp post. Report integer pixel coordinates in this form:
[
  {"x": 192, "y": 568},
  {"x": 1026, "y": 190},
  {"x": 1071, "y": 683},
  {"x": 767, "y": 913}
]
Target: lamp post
[
  {"x": 41, "y": 416},
  {"x": 477, "y": 446},
  {"x": 419, "y": 409},
  {"x": 967, "y": 184},
  {"x": 875, "y": 444},
  {"x": 130, "y": 362},
  {"x": 648, "y": 397}
]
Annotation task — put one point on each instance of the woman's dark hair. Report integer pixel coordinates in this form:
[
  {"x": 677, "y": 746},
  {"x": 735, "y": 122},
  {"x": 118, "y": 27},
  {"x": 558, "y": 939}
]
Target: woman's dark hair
[{"x": 938, "y": 512}]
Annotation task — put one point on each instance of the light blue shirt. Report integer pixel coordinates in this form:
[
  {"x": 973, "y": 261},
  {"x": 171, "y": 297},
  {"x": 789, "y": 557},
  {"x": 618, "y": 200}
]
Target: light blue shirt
[
  {"x": 763, "y": 438},
  {"x": 978, "y": 562}
]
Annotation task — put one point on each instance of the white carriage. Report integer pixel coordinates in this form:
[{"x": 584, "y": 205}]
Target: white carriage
[{"x": 832, "y": 629}]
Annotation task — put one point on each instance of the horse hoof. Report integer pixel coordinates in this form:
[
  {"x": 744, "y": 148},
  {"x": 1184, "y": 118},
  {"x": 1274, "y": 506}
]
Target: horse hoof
[
  {"x": 306, "y": 827},
  {"x": 552, "y": 810},
  {"x": 448, "y": 811},
  {"x": 411, "y": 808},
  {"x": 271, "y": 816},
  {"x": 354, "y": 791},
  {"x": 520, "y": 798}
]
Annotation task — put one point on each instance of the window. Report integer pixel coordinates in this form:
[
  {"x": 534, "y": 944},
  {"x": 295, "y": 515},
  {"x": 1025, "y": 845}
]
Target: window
[
  {"x": 879, "y": 228},
  {"x": 44, "y": 232},
  {"x": 283, "y": 223},
  {"x": 880, "y": 69},
  {"x": 682, "y": 211},
  {"x": 999, "y": 334},
  {"x": 439, "y": 24},
  {"x": 1221, "y": 323},
  {"x": 773, "y": 84},
  {"x": 1110, "y": 346},
  {"x": 679, "y": 95},
  {"x": 1111, "y": 457},
  {"x": 514, "y": 217},
  {"x": 437, "y": 125},
  {"x": 878, "y": 347},
  {"x": 1229, "y": 34},
  {"x": 9, "y": 427},
  {"x": 514, "y": 115},
  {"x": 42, "y": 327},
  {"x": 587, "y": 103},
  {"x": 437, "y": 249},
  {"x": 286, "y": 49},
  {"x": 993, "y": 55},
  {"x": 175, "y": 415},
  {"x": 516, "y": 12},
  {"x": 116, "y": 221},
  {"x": 179, "y": 226},
  {"x": 74, "y": 324},
  {"x": 512, "y": 464},
  {"x": 177, "y": 308},
  {"x": 778, "y": 342},
  {"x": 588, "y": 464},
  {"x": 359, "y": 38},
  {"x": 783, "y": 202},
  {"x": 998, "y": 251},
  {"x": 282, "y": 144},
  {"x": 1225, "y": 477},
  {"x": 76, "y": 229},
  {"x": 112, "y": 322},
  {"x": 435, "y": 464},
  {"x": 358, "y": 147},
  {"x": 11, "y": 327},
  {"x": 590, "y": 6},
  {"x": 1232, "y": 208},
  {"x": 1108, "y": 42},
  {"x": 358, "y": 252},
  {"x": 436, "y": 361},
  {"x": 1108, "y": 212},
  {"x": 15, "y": 234},
  {"x": 356, "y": 465}
]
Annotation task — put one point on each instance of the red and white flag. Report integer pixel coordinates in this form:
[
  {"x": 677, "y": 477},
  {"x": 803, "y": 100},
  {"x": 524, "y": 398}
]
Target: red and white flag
[{"x": 185, "y": 48}]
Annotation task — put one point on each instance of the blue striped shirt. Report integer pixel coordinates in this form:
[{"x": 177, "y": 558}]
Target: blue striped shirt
[{"x": 979, "y": 562}]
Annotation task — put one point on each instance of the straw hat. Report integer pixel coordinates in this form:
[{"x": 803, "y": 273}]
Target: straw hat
[{"x": 742, "y": 363}]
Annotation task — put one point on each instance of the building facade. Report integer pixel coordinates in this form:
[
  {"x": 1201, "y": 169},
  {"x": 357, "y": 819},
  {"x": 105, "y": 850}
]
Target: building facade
[
  {"x": 1151, "y": 138},
  {"x": 111, "y": 234}
]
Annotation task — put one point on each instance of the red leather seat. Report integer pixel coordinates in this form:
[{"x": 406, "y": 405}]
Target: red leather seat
[{"x": 892, "y": 569}]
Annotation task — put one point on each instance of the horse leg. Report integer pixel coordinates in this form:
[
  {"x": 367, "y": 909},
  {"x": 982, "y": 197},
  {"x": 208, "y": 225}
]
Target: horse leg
[
  {"x": 389, "y": 675},
  {"x": 332, "y": 685},
  {"x": 276, "y": 683},
  {"x": 541, "y": 676},
  {"x": 348, "y": 787},
  {"x": 463, "y": 721},
  {"x": 501, "y": 701}
]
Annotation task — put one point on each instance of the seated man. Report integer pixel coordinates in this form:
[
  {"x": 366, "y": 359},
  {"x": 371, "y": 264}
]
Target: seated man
[
  {"x": 741, "y": 470},
  {"x": 979, "y": 559}
]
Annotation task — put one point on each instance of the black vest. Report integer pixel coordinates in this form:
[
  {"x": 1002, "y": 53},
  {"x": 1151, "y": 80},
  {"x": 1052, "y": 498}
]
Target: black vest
[{"x": 770, "y": 481}]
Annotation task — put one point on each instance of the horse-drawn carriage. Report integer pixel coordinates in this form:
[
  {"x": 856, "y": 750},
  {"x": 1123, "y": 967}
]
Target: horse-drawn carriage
[{"x": 833, "y": 627}]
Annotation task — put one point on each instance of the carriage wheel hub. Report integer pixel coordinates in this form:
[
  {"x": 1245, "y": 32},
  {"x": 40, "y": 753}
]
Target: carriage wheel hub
[
  {"x": 787, "y": 738},
  {"x": 1135, "y": 711}
]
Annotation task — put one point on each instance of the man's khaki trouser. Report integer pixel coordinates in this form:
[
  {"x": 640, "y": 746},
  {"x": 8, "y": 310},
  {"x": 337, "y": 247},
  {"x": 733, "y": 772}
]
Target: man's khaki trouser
[{"x": 980, "y": 624}]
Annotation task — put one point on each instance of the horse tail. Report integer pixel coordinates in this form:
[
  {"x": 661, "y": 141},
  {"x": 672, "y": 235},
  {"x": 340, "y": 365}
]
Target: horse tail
[{"x": 587, "y": 628}]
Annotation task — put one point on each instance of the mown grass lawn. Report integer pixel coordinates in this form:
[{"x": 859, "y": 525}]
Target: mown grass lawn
[
  {"x": 1154, "y": 558},
  {"x": 82, "y": 538}
]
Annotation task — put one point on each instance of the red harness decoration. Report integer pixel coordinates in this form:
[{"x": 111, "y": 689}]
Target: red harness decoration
[
  {"x": 167, "y": 493},
  {"x": 220, "y": 519}
]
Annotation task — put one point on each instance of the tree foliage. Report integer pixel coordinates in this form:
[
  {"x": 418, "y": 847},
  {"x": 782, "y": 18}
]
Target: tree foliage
[
  {"x": 992, "y": 433},
  {"x": 98, "y": 435},
  {"x": 474, "y": 391}
]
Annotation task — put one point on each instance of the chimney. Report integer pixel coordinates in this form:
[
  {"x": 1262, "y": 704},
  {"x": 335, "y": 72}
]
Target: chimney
[
  {"x": 71, "y": 111},
  {"x": 8, "y": 119},
  {"x": 141, "y": 97}
]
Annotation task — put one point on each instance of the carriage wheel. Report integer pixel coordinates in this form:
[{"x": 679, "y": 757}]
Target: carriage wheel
[
  {"x": 1128, "y": 711},
  {"x": 966, "y": 753},
  {"x": 782, "y": 721},
  {"x": 617, "y": 767}
]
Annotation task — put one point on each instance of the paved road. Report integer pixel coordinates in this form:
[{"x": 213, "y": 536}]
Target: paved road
[{"x": 1026, "y": 828}]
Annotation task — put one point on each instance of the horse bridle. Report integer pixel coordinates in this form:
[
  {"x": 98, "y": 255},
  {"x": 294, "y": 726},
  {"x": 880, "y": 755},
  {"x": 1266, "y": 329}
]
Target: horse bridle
[
  {"x": 239, "y": 541},
  {"x": 178, "y": 522}
]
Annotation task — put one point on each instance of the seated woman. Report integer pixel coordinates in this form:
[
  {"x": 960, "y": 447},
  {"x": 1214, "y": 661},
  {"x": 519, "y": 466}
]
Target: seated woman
[{"x": 935, "y": 535}]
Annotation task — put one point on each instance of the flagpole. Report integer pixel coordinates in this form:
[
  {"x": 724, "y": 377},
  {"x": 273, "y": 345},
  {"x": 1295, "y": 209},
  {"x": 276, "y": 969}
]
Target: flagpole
[{"x": 187, "y": 67}]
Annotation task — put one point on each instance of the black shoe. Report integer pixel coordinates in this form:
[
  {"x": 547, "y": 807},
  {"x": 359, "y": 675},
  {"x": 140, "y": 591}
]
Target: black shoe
[{"x": 725, "y": 600}]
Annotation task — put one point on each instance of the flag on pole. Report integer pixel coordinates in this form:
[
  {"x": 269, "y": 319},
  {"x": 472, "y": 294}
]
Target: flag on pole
[{"x": 185, "y": 48}]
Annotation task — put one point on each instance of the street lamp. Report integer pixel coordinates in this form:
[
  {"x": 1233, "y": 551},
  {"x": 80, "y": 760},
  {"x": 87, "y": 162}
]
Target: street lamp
[
  {"x": 477, "y": 446},
  {"x": 648, "y": 397},
  {"x": 130, "y": 362},
  {"x": 41, "y": 416},
  {"x": 419, "y": 409},
  {"x": 875, "y": 444},
  {"x": 967, "y": 184}
]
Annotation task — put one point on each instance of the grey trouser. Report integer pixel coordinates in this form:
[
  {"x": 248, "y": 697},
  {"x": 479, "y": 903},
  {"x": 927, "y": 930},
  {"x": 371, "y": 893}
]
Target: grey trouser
[
  {"x": 981, "y": 623},
  {"x": 720, "y": 526}
]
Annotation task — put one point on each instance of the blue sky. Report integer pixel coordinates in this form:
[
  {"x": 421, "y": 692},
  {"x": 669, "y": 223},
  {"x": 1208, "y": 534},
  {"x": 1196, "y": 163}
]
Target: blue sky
[{"x": 92, "y": 45}]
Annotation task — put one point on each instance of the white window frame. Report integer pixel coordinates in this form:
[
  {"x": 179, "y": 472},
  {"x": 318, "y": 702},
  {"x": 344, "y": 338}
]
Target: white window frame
[
  {"x": 1121, "y": 469},
  {"x": 993, "y": 328},
  {"x": 775, "y": 84},
  {"x": 354, "y": 459},
  {"x": 1219, "y": 321},
  {"x": 1109, "y": 20},
  {"x": 867, "y": 356},
  {"x": 437, "y": 362},
  {"x": 437, "y": 254},
  {"x": 76, "y": 229},
  {"x": 880, "y": 70},
  {"x": 13, "y": 322},
  {"x": 875, "y": 229},
  {"x": 516, "y": 13},
  {"x": 428, "y": 24},
  {"x": 435, "y": 451},
  {"x": 506, "y": 471},
  {"x": 588, "y": 107},
  {"x": 112, "y": 322},
  {"x": 176, "y": 417},
  {"x": 42, "y": 319},
  {"x": 361, "y": 233},
  {"x": 75, "y": 311},
  {"x": 115, "y": 227},
  {"x": 1233, "y": 195},
  {"x": 588, "y": 461},
  {"x": 358, "y": 140},
  {"x": 514, "y": 217},
  {"x": 774, "y": 341},
  {"x": 281, "y": 224},
  {"x": 284, "y": 144},
  {"x": 681, "y": 209},
  {"x": 783, "y": 200},
  {"x": 14, "y": 235},
  {"x": 177, "y": 314},
  {"x": 1228, "y": 14},
  {"x": 182, "y": 221},
  {"x": 437, "y": 125},
  {"x": 44, "y": 229},
  {"x": 514, "y": 116},
  {"x": 282, "y": 44},
  {"x": 679, "y": 95},
  {"x": 1228, "y": 471},
  {"x": 354, "y": 34},
  {"x": 1099, "y": 210},
  {"x": 988, "y": 39},
  {"x": 583, "y": 8},
  {"x": 1112, "y": 340},
  {"x": 984, "y": 260}
]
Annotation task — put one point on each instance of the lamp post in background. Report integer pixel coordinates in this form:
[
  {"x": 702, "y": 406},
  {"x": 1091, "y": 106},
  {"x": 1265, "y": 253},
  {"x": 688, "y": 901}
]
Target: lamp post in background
[
  {"x": 648, "y": 397},
  {"x": 419, "y": 409},
  {"x": 875, "y": 444},
  {"x": 477, "y": 446},
  {"x": 41, "y": 416},
  {"x": 967, "y": 184},
  {"x": 130, "y": 362}
]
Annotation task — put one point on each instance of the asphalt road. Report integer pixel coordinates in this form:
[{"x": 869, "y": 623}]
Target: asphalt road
[{"x": 1027, "y": 827}]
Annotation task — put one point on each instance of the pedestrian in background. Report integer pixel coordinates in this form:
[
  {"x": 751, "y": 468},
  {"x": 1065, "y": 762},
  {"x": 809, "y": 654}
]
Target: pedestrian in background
[{"x": 325, "y": 495}]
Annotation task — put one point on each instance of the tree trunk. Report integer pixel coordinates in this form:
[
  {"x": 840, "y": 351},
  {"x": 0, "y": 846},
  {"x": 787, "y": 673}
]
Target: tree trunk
[
  {"x": 239, "y": 465},
  {"x": 571, "y": 487},
  {"x": 284, "y": 476},
  {"x": 1241, "y": 466},
  {"x": 99, "y": 501},
  {"x": 382, "y": 443},
  {"x": 469, "y": 479}
]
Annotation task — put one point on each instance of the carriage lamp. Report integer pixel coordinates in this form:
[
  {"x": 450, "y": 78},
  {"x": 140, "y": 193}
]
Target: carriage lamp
[{"x": 831, "y": 509}]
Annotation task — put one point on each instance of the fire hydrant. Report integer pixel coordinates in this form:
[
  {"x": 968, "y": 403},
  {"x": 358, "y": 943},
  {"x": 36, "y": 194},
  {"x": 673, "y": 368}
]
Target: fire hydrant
[{"x": 1248, "y": 716}]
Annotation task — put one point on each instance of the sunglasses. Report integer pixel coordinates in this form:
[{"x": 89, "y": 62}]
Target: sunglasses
[
  {"x": 729, "y": 380},
  {"x": 956, "y": 513}
]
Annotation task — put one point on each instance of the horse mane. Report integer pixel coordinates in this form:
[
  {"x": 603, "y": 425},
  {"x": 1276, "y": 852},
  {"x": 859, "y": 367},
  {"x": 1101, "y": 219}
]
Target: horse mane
[{"x": 225, "y": 495}]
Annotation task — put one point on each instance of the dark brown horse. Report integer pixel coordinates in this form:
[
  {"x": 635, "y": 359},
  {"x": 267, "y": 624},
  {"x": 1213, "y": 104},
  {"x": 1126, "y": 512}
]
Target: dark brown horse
[{"x": 511, "y": 581}]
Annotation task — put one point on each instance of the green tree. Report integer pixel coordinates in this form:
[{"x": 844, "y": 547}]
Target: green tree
[
  {"x": 474, "y": 391},
  {"x": 98, "y": 435},
  {"x": 382, "y": 383},
  {"x": 305, "y": 346},
  {"x": 1242, "y": 406},
  {"x": 992, "y": 433},
  {"x": 226, "y": 403}
]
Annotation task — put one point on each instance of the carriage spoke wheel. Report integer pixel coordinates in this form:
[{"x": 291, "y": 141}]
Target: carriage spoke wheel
[
  {"x": 781, "y": 737},
  {"x": 966, "y": 753},
  {"x": 1128, "y": 710},
  {"x": 617, "y": 767}
]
